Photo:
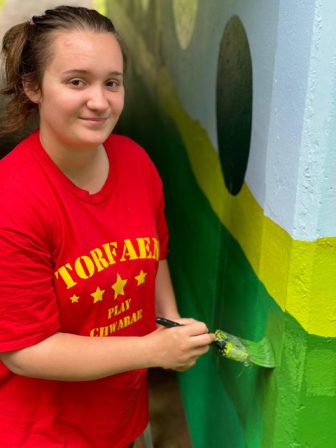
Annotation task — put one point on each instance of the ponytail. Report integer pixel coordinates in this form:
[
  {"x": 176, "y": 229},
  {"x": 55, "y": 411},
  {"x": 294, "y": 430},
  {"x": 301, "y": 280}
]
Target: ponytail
[{"x": 14, "y": 49}]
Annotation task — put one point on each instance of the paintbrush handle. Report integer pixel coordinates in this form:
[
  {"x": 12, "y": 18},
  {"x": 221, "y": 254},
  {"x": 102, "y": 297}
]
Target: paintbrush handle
[{"x": 166, "y": 322}]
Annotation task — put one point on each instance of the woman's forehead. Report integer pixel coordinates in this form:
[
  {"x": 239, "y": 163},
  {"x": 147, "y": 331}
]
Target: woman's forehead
[{"x": 84, "y": 49}]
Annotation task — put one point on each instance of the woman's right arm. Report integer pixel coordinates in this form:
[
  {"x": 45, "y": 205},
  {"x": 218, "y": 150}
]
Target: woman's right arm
[{"x": 69, "y": 357}]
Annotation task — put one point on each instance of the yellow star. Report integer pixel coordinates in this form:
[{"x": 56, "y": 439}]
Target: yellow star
[
  {"x": 74, "y": 299},
  {"x": 118, "y": 286},
  {"x": 98, "y": 295},
  {"x": 140, "y": 278}
]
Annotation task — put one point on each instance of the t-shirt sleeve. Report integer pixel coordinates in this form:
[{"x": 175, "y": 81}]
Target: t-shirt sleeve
[{"x": 28, "y": 307}]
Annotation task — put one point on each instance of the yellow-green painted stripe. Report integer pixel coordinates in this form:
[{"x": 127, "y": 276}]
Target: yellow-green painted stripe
[
  {"x": 299, "y": 275},
  {"x": 100, "y": 6}
]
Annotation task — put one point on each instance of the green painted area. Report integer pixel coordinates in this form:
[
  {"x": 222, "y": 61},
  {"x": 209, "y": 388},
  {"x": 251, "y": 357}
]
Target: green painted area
[
  {"x": 325, "y": 381},
  {"x": 227, "y": 404}
]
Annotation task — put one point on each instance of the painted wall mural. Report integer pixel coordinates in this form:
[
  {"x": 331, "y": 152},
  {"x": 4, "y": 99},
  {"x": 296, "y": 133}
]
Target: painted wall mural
[{"x": 235, "y": 102}]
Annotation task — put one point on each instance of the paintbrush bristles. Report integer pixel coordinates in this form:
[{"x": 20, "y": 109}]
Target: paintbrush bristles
[
  {"x": 260, "y": 353},
  {"x": 247, "y": 352}
]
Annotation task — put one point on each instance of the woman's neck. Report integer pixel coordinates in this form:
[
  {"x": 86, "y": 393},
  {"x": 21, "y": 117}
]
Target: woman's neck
[{"x": 87, "y": 168}]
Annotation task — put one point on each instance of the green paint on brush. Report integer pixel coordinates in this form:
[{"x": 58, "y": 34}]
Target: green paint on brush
[
  {"x": 247, "y": 352},
  {"x": 231, "y": 347}
]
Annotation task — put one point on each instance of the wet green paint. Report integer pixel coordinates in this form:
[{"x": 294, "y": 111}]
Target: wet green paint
[{"x": 226, "y": 403}]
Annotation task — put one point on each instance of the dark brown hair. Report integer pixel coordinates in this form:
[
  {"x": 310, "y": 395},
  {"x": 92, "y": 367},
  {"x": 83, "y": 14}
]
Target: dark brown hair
[{"x": 26, "y": 50}]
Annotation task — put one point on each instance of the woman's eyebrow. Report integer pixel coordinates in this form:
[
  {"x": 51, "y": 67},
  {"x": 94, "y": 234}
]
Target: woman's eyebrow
[{"x": 85, "y": 72}]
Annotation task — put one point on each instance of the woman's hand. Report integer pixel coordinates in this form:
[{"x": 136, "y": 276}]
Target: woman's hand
[{"x": 178, "y": 348}]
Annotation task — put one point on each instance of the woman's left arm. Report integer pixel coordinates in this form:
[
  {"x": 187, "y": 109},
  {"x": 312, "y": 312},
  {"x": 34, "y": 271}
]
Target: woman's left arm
[{"x": 164, "y": 293}]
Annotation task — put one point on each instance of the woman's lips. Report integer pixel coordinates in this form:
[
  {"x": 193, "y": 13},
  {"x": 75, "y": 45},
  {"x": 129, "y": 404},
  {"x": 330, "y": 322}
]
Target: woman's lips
[{"x": 94, "y": 118}]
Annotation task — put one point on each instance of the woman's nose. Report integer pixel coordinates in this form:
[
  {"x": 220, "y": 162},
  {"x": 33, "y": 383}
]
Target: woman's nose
[{"x": 98, "y": 99}]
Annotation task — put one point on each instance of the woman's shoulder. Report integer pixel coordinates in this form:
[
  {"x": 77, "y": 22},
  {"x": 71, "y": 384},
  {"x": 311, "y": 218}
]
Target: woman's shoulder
[
  {"x": 126, "y": 148},
  {"x": 19, "y": 180},
  {"x": 17, "y": 161},
  {"x": 133, "y": 159}
]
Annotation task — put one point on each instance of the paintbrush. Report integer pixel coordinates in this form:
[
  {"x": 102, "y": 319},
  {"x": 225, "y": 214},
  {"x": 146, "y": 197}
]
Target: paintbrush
[{"x": 247, "y": 352}]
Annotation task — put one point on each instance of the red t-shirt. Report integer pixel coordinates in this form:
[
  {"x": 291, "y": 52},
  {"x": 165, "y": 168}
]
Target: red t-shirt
[{"x": 83, "y": 264}]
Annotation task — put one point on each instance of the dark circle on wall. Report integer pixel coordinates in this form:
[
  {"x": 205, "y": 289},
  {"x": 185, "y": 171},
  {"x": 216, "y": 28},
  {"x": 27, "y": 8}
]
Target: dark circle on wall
[{"x": 234, "y": 104}]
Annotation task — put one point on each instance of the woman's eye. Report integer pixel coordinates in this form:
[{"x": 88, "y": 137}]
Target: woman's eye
[
  {"x": 113, "y": 84},
  {"x": 77, "y": 82}
]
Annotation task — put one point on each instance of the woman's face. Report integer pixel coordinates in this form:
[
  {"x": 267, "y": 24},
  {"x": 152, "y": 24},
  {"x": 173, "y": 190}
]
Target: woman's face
[{"x": 82, "y": 92}]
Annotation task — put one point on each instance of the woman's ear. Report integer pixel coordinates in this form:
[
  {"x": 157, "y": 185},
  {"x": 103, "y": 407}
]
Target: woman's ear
[{"x": 32, "y": 91}]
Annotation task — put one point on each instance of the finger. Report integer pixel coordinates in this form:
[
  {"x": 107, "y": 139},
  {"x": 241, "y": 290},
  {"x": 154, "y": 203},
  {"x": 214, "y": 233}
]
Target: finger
[
  {"x": 185, "y": 320},
  {"x": 196, "y": 328},
  {"x": 199, "y": 351},
  {"x": 202, "y": 339},
  {"x": 205, "y": 338}
]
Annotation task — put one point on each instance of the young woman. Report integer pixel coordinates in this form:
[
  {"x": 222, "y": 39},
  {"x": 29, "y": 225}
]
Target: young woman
[{"x": 83, "y": 242}]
